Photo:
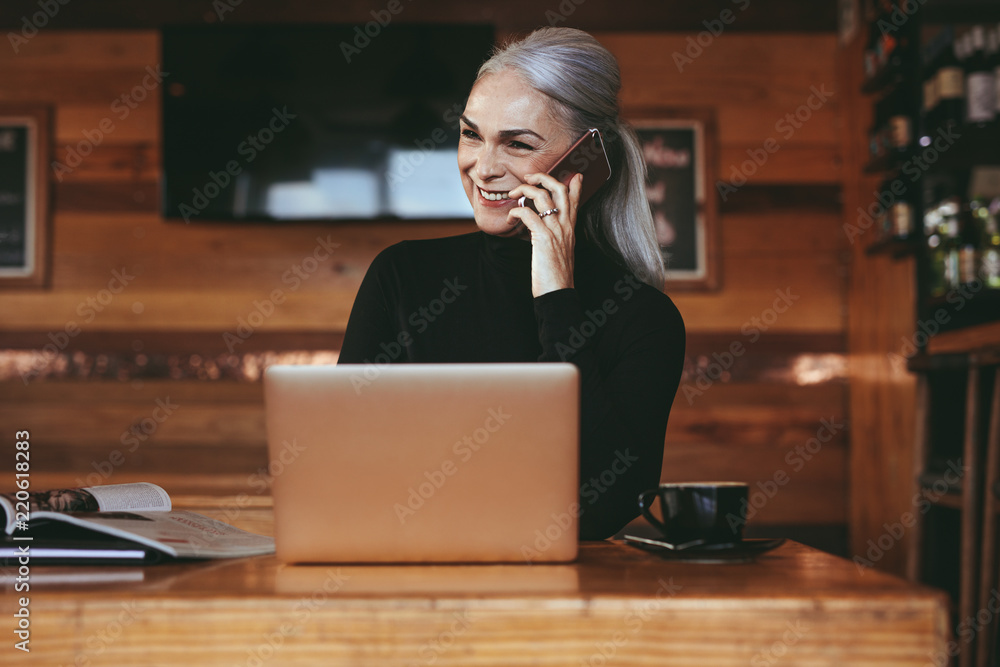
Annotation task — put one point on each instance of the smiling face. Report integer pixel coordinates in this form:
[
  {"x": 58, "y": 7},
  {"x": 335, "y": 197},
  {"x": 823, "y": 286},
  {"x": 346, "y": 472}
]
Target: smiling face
[{"x": 508, "y": 131}]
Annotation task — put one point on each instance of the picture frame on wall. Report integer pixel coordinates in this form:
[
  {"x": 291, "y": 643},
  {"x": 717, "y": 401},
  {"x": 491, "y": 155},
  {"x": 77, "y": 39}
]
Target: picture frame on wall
[
  {"x": 679, "y": 149},
  {"x": 25, "y": 140}
]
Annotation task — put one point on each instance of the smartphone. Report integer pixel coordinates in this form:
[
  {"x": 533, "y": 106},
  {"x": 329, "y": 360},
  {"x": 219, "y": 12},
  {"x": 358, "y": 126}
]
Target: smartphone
[{"x": 587, "y": 157}]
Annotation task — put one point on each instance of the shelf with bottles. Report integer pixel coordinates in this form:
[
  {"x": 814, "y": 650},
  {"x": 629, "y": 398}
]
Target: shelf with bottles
[
  {"x": 959, "y": 268},
  {"x": 934, "y": 72},
  {"x": 938, "y": 85},
  {"x": 960, "y": 98},
  {"x": 892, "y": 139},
  {"x": 890, "y": 48},
  {"x": 893, "y": 214},
  {"x": 891, "y": 76},
  {"x": 961, "y": 247}
]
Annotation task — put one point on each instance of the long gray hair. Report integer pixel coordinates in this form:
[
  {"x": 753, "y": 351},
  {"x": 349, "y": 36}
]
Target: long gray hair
[{"x": 582, "y": 79}]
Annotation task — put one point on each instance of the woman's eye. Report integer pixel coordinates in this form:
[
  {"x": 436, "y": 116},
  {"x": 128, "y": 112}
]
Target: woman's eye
[
  {"x": 521, "y": 146},
  {"x": 469, "y": 134}
]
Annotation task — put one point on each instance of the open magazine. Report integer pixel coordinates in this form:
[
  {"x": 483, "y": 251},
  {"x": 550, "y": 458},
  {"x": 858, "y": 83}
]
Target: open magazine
[{"x": 116, "y": 522}]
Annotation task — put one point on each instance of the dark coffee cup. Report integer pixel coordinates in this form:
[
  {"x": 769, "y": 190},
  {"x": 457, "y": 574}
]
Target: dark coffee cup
[{"x": 695, "y": 513}]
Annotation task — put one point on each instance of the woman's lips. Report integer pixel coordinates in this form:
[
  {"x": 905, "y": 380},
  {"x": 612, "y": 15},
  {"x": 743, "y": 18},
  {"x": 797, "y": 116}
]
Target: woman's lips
[{"x": 494, "y": 203}]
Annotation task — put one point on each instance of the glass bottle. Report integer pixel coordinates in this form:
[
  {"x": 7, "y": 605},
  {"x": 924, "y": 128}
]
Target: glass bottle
[
  {"x": 933, "y": 226},
  {"x": 980, "y": 102},
  {"x": 876, "y": 135},
  {"x": 951, "y": 244},
  {"x": 931, "y": 58},
  {"x": 969, "y": 240},
  {"x": 901, "y": 212},
  {"x": 900, "y": 124},
  {"x": 990, "y": 246},
  {"x": 871, "y": 52},
  {"x": 994, "y": 64},
  {"x": 950, "y": 82}
]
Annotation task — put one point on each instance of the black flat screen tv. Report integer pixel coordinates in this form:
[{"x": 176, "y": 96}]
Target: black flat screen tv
[{"x": 316, "y": 122}]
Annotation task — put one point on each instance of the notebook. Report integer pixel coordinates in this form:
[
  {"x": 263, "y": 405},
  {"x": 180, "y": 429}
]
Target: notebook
[{"x": 424, "y": 463}]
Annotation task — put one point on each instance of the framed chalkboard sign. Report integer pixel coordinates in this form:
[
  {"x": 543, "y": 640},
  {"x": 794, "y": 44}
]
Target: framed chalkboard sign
[
  {"x": 24, "y": 195},
  {"x": 679, "y": 148}
]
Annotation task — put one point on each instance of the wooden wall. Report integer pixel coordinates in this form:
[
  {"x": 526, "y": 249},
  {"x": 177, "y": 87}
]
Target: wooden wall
[
  {"x": 779, "y": 233},
  {"x": 881, "y": 310}
]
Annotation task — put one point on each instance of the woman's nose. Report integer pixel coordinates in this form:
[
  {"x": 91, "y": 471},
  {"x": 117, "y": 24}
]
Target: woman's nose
[{"x": 489, "y": 164}]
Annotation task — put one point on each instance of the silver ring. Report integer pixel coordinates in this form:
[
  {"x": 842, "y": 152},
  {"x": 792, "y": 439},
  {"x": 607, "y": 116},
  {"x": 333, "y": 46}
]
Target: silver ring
[{"x": 548, "y": 212}]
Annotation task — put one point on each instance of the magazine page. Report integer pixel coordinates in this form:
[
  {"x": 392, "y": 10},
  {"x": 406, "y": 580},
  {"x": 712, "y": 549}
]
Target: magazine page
[
  {"x": 137, "y": 497},
  {"x": 24, "y": 506},
  {"x": 179, "y": 533}
]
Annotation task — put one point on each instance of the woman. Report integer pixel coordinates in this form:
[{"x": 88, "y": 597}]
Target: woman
[{"x": 570, "y": 283}]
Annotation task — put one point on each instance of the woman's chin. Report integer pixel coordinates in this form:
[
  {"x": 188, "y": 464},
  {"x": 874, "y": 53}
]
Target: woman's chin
[{"x": 498, "y": 226}]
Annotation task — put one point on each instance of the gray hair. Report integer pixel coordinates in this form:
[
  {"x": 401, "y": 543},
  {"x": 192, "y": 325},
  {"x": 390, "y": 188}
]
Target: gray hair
[{"x": 582, "y": 78}]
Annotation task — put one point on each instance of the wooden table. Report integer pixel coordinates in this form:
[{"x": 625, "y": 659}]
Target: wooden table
[{"x": 615, "y": 605}]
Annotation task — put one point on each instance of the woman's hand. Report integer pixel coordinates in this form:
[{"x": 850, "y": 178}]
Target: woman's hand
[{"x": 553, "y": 237}]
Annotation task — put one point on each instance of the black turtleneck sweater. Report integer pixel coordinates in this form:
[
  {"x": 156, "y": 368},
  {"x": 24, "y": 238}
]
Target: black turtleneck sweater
[{"x": 468, "y": 299}]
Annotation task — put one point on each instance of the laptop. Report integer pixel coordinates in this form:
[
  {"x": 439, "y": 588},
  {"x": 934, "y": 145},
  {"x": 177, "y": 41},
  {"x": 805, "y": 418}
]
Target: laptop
[{"x": 424, "y": 463}]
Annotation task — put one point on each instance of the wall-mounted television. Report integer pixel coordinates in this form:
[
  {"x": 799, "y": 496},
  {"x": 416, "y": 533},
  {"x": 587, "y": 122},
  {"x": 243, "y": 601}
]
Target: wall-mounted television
[{"x": 316, "y": 122}]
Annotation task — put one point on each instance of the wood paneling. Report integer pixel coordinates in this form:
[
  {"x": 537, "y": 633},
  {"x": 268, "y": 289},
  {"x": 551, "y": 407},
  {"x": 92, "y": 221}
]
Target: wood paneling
[
  {"x": 773, "y": 437},
  {"x": 751, "y": 432},
  {"x": 142, "y": 124},
  {"x": 109, "y": 163},
  {"x": 165, "y": 343},
  {"x": 881, "y": 317},
  {"x": 183, "y": 256},
  {"x": 806, "y": 200},
  {"x": 108, "y": 196},
  {"x": 668, "y": 15},
  {"x": 76, "y": 51},
  {"x": 752, "y": 104},
  {"x": 323, "y": 301},
  {"x": 808, "y": 163},
  {"x": 228, "y": 266},
  {"x": 780, "y": 231},
  {"x": 785, "y": 250}
]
